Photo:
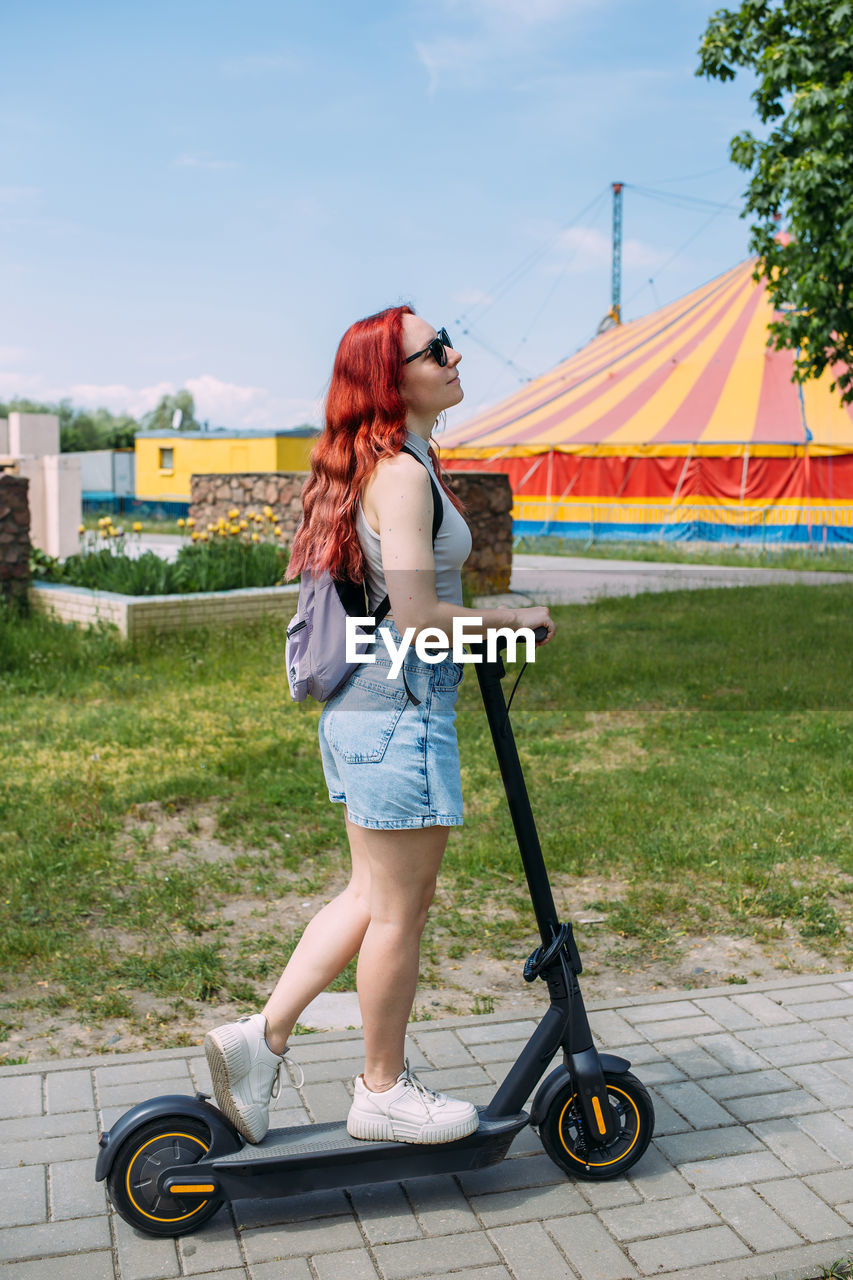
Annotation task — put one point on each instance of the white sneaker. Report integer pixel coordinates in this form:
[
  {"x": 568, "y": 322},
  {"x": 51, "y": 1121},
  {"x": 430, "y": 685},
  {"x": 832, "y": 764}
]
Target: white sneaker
[
  {"x": 409, "y": 1112},
  {"x": 245, "y": 1074}
]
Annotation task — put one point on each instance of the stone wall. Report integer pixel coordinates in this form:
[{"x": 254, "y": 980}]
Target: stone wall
[
  {"x": 14, "y": 535},
  {"x": 212, "y": 496},
  {"x": 487, "y": 498}
]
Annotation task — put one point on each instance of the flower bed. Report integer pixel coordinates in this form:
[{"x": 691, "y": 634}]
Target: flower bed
[
  {"x": 143, "y": 615},
  {"x": 229, "y": 573},
  {"x": 231, "y": 555}
]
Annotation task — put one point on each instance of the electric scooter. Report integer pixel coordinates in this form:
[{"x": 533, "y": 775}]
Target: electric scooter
[{"x": 170, "y": 1162}]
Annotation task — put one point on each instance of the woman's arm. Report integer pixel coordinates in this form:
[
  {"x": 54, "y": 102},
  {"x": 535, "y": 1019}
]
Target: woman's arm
[{"x": 398, "y": 501}]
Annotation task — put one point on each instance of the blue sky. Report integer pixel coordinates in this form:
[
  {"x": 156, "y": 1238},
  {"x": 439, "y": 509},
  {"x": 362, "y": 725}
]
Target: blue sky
[{"x": 207, "y": 194}]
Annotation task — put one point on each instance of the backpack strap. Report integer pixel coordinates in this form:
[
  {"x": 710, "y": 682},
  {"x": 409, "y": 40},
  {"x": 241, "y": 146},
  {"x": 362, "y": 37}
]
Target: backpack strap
[{"x": 384, "y": 607}]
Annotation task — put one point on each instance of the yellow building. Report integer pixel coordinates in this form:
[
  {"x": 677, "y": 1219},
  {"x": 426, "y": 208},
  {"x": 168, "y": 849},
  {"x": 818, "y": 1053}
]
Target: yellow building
[{"x": 165, "y": 460}]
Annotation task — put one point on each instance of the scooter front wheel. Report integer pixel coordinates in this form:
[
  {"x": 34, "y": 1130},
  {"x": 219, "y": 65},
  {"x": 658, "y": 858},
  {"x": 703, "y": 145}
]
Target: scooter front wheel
[
  {"x": 566, "y": 1139},
  {"x": 132, "y": 1181}
]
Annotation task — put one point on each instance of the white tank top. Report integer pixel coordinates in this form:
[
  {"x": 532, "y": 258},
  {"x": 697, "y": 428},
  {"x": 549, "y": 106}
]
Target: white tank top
[{"x": 452, "y": 545}]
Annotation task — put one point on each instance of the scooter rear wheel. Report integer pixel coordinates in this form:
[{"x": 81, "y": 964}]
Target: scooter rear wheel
[
  {"x": 565, "y": 1138},
  {"x": 132, "y": 1181}
]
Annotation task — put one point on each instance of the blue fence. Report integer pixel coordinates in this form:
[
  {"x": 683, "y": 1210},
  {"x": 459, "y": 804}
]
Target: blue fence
[{"x": 107, "y": 504}]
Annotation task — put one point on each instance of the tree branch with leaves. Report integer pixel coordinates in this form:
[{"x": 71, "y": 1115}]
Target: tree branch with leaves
[{"x": 801, "y": 173}]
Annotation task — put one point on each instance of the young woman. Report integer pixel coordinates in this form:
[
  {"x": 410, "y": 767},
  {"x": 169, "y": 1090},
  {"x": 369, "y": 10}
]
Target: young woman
[{"x": 388, "y": 745}]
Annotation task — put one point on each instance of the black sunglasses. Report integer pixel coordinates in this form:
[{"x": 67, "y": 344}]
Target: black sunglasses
[{"x": 437, "y": 349}]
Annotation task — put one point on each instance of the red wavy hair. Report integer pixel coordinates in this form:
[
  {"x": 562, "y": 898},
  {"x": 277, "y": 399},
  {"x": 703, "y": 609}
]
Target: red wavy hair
[{"x": 365, "y": 422}]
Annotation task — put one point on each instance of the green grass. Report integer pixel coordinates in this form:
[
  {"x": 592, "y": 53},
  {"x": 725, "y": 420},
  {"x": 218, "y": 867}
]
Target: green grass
[
  {"x": 842, "y": 1269},
  {"x": 834, "y": 559},
  {"x": 695, "y": 749}
]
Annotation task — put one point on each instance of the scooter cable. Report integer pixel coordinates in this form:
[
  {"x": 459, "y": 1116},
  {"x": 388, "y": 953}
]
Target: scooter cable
[{"x": 512, "y": 695}]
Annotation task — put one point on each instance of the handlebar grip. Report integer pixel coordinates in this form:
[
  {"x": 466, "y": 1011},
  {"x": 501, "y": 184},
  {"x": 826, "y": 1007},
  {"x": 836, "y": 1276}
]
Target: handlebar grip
[{"x": 539, "y": 633}]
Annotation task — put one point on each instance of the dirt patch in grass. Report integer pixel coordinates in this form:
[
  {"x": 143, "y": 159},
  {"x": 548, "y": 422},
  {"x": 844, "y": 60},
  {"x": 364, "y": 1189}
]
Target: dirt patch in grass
[
  {"x": 473, "y": 950},
  {"x": 186, "y": 834}
]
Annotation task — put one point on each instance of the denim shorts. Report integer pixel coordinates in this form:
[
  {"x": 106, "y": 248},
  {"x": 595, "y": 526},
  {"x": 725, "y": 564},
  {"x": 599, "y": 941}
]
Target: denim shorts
[{"x": 393, "y": 764}]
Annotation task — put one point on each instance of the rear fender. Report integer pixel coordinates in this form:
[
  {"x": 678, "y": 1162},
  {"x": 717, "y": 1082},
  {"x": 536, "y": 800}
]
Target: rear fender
[
  {"x": 224, "y": 1138},
  {"x": 560, "y": 1076}
]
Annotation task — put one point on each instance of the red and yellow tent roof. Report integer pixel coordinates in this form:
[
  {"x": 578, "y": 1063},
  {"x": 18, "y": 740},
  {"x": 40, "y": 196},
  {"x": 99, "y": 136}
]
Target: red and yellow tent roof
[{"x": 696, "y": 376}]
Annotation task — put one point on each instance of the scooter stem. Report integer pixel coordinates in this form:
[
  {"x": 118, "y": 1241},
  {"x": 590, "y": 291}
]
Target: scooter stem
[
  {"x": 489, "y": 676},
  {"x": 565, "y": 1022}
]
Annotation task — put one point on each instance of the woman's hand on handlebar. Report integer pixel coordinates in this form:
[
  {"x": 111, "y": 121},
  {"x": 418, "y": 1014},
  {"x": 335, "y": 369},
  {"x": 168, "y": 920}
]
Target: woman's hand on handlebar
[{"x": 536, "y": 616}]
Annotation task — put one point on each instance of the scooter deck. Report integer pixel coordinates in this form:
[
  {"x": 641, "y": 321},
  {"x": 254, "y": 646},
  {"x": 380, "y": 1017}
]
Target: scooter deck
[{"x": 318, "y": 1157}]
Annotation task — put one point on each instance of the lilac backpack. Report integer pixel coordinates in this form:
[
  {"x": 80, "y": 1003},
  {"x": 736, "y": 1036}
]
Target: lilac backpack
[{"x": 315, "y": 647}]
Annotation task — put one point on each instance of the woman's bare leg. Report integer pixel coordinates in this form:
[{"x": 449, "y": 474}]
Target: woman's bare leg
[
  {"x": 403, "y": 866},
  {"x": 380, "y": 916},
  {"x": 331, "y": 939}
]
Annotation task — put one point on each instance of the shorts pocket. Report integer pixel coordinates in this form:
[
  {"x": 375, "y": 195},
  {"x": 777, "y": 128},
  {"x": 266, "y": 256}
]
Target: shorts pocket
[
  {"x": 449, "y": 676},
  {"x": 359, "y": 726}
]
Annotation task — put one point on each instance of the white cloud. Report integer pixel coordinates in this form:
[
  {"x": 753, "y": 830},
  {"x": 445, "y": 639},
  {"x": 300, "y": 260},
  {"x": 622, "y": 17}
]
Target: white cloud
[
  {"x": 18, "y": 195},
  {"x": 584, "y": 247},
  {"x": 524, "y": 12},
  {"x": 21, "y": 384},
  {"x": 588, "y": 249},
  {"x": 253, "y": 64},
  {"x": 13, "y": 355},
  {"x": 223, "y": 404},
  {"x": 203, "y": 161},
  {"x": 492, "y": 32},
  {"x": 473, "y": 298},
  {"x": 637, "y": 253},
  {"x": 115, "y": 396},
  {"x": 232, "y": 405}
]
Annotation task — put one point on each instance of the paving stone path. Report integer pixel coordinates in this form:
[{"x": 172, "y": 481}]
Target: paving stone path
[{"x": 750, "y": 1174}]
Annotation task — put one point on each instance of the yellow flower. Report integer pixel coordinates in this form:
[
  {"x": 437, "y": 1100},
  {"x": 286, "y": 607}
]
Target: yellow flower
[
  {"x": 244, "y": 524},
  {"x": 258, "y": 519},
  {"x": 195, "y": 536},
  {"x": 233, "y": 528},
  {"x": 137, "y": 528},
  {"x": 81, "y": 528},
  {"x": 105, "y": 533},
  {"x": 234, "y": 514},
  {"x": 103, "y": 522},
  {"x": 256, "y": 537},
  {"x": 221, "y": 523},
  {"x": 279, "y": 531},
  {"x": 268, "y": 513},
  {"x": 191, "y": 522},
  {"x": 202, "y": 537},
  {"x": 211, "y": 528},
  {"x": 181, "y": 522}
]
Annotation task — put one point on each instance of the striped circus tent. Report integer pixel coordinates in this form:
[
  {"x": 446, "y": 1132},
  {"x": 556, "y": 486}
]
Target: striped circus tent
[{"x": 683, "y": 424}]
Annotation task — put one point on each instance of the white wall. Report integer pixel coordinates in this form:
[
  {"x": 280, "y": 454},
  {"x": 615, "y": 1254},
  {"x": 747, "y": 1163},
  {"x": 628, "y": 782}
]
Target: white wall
[
  {"x": 55, "y": 502},
  {"x": 33, "y": 435},
  {"x": 63, "y": 501},
  {"x": 96, "y": 470},
  {"x": 4, "y": 435},
  {"x": 108, "y": 471},
  {"x": 124, "y": 473},
  {"x": 34, "y": 472}
]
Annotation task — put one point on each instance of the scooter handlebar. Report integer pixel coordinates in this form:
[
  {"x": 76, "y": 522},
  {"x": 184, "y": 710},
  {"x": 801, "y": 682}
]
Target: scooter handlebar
[{"x": 539, "y": 634}]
